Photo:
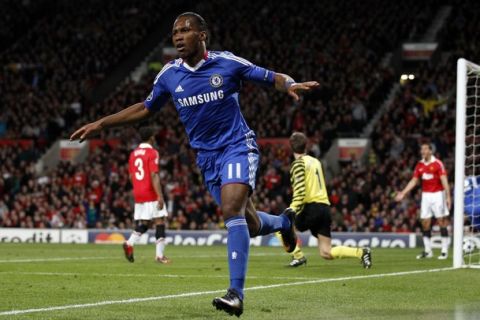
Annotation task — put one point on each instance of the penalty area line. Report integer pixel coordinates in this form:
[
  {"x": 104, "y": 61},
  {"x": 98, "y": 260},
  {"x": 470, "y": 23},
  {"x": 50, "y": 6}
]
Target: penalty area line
[{"x": 201, "y": 293}]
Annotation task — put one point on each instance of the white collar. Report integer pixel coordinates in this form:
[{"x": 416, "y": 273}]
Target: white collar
[
  {"x": 194, "y": 68},
  {"x": 432, "y": 159},
  {"x": 145, "y": 145}
]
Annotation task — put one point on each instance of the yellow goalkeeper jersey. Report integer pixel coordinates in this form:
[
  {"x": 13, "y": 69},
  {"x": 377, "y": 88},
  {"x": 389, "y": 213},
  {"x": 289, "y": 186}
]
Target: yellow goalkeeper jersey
[{"x": 308, "y": 183}]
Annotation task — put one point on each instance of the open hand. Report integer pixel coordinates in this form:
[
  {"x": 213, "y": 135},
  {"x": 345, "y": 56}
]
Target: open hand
[
  {"x": 399, "y": 197},
  {"x": 86, "y": 131},
  {"x": 296, "y": 88}
]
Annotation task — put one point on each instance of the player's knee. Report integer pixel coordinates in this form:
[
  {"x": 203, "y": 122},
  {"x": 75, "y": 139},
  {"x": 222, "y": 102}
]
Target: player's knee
[
  {"x": 426, "y": 225},
  {"x": 160, "y": 231},
  {"x": 141, "y": 228},
  {"x": 159, "y": 221},
  {"x": 231, "y": 210}
]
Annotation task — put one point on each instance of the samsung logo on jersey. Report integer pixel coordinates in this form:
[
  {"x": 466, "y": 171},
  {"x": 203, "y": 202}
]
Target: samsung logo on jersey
[{"x": 201, "y": 98}]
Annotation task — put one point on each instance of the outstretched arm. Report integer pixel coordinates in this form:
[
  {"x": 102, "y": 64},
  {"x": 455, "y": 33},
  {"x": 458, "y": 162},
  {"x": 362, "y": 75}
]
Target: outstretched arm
[
  {"x": 285, "y": 83},
  {"x": 132, "y": 114}
]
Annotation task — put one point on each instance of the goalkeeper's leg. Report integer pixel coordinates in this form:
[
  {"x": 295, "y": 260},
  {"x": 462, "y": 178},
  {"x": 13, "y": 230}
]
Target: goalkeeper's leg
[{"x": 339, "y": 252}]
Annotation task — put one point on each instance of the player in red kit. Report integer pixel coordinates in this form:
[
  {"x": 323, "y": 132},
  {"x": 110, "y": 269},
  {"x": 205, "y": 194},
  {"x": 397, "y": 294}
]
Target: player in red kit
[
  {"x": 149, "y": 204},
  {"x": 436, "y": 199}
]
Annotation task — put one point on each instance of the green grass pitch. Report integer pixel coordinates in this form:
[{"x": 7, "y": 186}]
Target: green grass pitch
[{"x": 40, "y": 276}]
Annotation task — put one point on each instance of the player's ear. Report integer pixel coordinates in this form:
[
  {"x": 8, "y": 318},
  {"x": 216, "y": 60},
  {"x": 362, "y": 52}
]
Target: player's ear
[{"x": 203, "y": 36}]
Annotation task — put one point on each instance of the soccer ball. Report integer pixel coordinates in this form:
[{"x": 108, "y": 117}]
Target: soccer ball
[{"x": 468, "y": 246}]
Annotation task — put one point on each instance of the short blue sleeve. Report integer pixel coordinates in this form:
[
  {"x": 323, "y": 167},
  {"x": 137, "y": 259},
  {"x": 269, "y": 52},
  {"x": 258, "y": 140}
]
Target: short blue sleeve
[
  {"x": 248, "y": 71},
  {"x": 159, "y": 94}
]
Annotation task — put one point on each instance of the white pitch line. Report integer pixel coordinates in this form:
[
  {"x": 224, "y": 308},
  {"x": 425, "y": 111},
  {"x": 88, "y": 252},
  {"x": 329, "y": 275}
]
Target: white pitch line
[
  {"x": 200, "y": 293},
  {"x": 54, "y": 259},
  {"x": 143, "y": 275}
]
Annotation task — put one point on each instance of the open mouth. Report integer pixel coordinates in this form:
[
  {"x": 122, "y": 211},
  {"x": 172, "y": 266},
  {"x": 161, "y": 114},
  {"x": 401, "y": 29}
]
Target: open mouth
[{"x": 180, "y": 47}]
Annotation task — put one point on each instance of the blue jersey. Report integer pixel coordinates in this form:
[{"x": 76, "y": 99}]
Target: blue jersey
[
  {"x": 472, "y": 199},
  {"x": 206, "y": 97}
]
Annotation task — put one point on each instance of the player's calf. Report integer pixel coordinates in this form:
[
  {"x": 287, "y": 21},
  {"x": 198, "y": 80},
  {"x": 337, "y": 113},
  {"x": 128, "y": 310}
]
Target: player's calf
[
  {"x": 160, "y": 243},
  {"x": 444, "y": 234},
  {"x": 427, "y": 242}
]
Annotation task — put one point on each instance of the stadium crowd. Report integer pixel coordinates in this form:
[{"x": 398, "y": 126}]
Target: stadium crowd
[
  {"x": 49, "y": 71},
  {"x": 341, "y": 53}
]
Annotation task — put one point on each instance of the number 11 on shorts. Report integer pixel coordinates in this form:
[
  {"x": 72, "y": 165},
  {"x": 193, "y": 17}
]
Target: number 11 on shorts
[{"x": 238, "y": 171}]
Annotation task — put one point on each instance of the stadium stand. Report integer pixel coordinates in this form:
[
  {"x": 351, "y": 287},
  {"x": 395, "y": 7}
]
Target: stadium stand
[
  {"x": 19, "y": 17},
  {"x": 49, "y": 71}
]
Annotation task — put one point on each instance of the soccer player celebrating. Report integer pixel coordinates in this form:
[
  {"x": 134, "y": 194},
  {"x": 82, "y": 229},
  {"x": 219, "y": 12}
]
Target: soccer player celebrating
[
  {"x": 204, "y": 86},
  {"x": 310, "y": 203},
  {"x": 149, "y": 204},
  {"x": 436, "y": 198}
]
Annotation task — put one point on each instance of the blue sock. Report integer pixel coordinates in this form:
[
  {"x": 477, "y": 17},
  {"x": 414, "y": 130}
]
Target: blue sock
[
  {"x": 238, "y": 245},
  {"x": 270, "y": 223}
]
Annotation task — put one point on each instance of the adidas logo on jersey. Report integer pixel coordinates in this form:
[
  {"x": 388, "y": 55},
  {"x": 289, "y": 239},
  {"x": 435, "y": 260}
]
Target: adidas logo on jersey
[{"x": 179, "y": 89}]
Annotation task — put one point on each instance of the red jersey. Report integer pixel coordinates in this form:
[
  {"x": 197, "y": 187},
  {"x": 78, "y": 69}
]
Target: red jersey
[
  {"x": 430, "y": 173},
  {"x": 143, "y": 161}
]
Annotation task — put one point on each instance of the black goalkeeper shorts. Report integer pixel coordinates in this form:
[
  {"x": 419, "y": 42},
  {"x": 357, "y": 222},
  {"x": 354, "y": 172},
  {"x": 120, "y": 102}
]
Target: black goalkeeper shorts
[{"x": 316, "y": 218}]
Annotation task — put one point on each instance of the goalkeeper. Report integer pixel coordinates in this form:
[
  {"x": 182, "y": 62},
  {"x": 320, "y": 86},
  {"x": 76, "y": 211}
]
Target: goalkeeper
[{"x": 312, "y": 207}]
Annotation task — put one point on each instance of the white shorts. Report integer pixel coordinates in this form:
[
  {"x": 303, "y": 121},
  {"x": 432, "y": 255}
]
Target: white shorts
[
  {"x": 149, "y": 211},
  {"x": 433, "y": 204}
]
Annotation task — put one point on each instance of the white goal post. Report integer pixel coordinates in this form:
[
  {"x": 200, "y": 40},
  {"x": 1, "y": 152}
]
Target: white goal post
[{"x": 467, "y": 165}]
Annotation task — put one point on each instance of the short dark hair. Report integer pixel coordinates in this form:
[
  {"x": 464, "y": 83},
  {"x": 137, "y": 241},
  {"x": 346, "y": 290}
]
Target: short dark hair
[
  {"x": 298, "y": 142},
  {"x": 428, "y": 144},
  {"x": 146, "y": 133},
  {"x": 201, "y": 23}
]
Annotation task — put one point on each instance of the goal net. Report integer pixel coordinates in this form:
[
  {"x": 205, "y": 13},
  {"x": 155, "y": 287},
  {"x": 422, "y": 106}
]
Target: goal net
[{"x": 466, "y": 245}]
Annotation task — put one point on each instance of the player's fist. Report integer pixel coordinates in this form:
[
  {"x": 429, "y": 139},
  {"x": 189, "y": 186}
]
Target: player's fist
[
  {"x": 297, "y": 88},
  {"x": 87, "y": 131},
  {"x": 399, "y": 196}
]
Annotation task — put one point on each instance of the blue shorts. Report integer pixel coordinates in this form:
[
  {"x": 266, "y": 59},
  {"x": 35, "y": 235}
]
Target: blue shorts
[{"x": 237, "y": 163}]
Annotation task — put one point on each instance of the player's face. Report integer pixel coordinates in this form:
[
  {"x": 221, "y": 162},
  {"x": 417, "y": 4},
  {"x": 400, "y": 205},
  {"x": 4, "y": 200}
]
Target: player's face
[
  {"x": 425, "y": 151},
  {"x": 186, "y": 37}
]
